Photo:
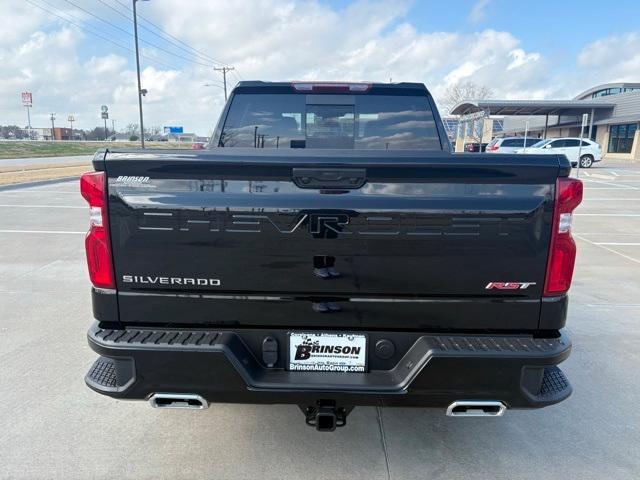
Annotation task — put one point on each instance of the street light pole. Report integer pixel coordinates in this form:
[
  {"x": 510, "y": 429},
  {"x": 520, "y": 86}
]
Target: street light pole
[{"x": 135, "y": 34}]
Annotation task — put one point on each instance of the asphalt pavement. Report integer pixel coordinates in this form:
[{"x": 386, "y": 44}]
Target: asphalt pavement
[
  {"x": 27, "y": 162},
  {"x": 53, "y": 426}
]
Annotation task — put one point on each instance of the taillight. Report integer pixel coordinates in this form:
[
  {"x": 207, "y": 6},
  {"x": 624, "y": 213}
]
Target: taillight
[
  {"x": 93, "y": 188},
  {"x": 325, "y": 87},
  {"x": 562, "y": 252},
  {"x": 493, "y": 148}
]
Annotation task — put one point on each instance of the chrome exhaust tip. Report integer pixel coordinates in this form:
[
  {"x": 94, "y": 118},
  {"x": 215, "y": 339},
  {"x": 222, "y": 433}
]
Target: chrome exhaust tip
[
  {"x": 188, "y": 401},
  {"x": 476, "y": 408}
]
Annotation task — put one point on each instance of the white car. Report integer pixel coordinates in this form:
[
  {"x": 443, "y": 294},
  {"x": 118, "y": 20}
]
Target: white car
[
  {"x": 569, "y": 146},
  {"x": 509, "y": 144}
]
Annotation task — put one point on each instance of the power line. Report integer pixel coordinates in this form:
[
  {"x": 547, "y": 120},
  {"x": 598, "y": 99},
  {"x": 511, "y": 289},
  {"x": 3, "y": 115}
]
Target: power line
[
  {"x": 131, "y": 35},
  {"x": 236, "y": 74},
  {"x": 97, "y": 33},
  {"x": 75, "y": 24},
  {"x": 128, "y": 18},
  {"x": 164, "y": 34}
]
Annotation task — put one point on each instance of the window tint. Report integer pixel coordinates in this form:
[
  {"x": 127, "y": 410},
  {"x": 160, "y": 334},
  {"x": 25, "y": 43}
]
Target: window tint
[
  {"x": 263, "y": 121},
  {"x": 585, "y": 143},
  {"x": 532, "y": 141},
  {"x": 540, "y": 143},
  {"x": 513, "y": 142},
  {"x": 330, "y": 126},
  {"x": 571, "y": 143},
  {"x": 557, "y": 144},
  {"x": 382, "y": 122}
]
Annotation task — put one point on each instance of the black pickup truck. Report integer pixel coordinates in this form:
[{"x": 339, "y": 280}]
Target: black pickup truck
[{"x": 328, "y": 250}]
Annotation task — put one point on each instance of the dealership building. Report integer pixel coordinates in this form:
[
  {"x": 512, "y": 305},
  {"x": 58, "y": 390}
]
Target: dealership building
[{"x": 612, "y": 119}]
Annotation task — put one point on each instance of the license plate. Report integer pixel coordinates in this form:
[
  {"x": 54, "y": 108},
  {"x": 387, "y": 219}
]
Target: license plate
[{"x": 327, "y": 352}]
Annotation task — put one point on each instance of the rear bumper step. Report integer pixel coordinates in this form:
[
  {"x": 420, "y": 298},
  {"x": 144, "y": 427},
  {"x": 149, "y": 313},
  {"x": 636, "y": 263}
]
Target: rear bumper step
[{"x": 433, "y": 370}]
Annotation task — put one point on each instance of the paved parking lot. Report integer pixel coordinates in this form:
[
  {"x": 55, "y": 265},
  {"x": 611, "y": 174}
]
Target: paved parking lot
[{"x": 52, "y": 426}]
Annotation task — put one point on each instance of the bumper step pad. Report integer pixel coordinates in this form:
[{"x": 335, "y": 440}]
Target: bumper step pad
[
  {"x": 111, "y": 375},
  {"x": 554, "y": 384},
  {"x": 103, "y": 373}
]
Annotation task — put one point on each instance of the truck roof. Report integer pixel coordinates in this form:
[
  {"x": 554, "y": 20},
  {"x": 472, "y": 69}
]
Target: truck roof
[{"x": 256, "y": 86}]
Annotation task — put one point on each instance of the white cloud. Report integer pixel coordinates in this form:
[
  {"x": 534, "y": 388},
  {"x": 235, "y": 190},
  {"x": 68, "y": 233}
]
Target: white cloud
[
  {"x": 614, "y": 58},
  {"x": 520, "y": 58},
  {"x": 110, "y": 65},
  {"x": 478, "y": 12},
  {"x": 273, "y": 40}
]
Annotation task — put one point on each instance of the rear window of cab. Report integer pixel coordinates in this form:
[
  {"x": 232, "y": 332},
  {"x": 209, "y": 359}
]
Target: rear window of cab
[{"x": 369, "y": 122}]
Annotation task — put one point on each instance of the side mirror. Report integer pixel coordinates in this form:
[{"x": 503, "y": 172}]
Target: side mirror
[{"x": 547, "y": 146}]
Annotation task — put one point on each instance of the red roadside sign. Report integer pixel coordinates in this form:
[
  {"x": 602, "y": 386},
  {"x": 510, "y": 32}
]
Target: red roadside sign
[{"x": 27, "y": 99}]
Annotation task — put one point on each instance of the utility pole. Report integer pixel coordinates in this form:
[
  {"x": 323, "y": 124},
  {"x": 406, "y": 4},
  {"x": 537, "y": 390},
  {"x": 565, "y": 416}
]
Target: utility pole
[
  {"x": 53, "y": 126},
  {"x": 140, "y": 91},
  {"x": 224, "y": 71}
]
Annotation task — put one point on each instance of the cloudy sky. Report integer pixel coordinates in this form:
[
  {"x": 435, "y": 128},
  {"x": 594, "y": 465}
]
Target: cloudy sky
[{"x": 75, "y": 55}]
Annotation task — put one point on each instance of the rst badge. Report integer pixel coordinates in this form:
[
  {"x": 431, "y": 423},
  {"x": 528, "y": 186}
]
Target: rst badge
[{"x": 508, "y": 285}]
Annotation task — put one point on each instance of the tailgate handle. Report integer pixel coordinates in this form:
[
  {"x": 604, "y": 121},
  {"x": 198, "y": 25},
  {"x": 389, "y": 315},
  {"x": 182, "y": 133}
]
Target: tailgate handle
[{"x": 326, "y": 178}]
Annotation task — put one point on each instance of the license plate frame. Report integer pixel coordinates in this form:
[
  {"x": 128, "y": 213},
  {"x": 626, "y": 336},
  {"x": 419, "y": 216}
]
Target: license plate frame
[{"x": 328, "y": 360}]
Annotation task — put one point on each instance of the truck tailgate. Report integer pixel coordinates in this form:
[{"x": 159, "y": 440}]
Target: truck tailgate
[{"x": 234, "y": 238}]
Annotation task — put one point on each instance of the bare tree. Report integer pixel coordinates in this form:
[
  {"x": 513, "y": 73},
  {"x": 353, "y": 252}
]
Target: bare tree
[
  {"x": 131, "y": 129},
  {"x": 464, "y": 91},
  {"x": 473, "y": 126}
]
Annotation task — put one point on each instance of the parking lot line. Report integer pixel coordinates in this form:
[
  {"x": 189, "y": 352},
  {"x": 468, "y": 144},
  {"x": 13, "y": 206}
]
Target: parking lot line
[
  {"x": 40, "y": 192},
  {"x": 40, "y": 206},
  {"x": 607, "y": 214},
  {"x": 629, "y": 234},
  {"x": 618, "y": 185},
  {"x": 616, "y": 243},
  {"x": 63, "y": 232},
  {"x": 620, "y": 215},
  {"x": 635, "y": 260},
  {"x": 612, "y": 305}
]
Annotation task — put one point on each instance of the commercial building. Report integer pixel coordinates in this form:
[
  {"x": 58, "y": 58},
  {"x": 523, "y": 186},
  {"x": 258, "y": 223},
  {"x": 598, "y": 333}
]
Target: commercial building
[
  {"x": 41, "y": 133},
  {"x": 612, "y": 109},
  {"x": 180, "y": 137},
  {"x": 62, "y": 133}
]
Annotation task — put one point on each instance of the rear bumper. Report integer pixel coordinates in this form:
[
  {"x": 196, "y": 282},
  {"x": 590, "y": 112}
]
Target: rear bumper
[{"x": 427, "y": 370}]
